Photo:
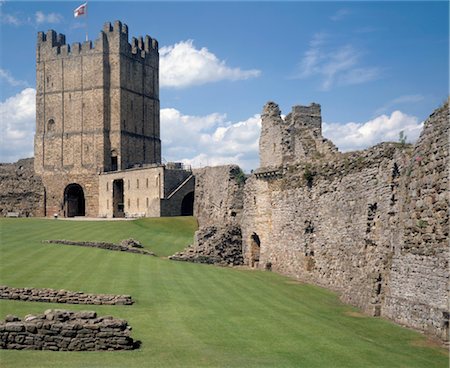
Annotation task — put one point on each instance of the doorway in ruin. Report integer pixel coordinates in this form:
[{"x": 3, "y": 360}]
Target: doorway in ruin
[
  {"x": 118, "y": 199},
  {"x": 74, "y": 203},
  {"x": 255, "y": 248},
  {"x": 187, "y": 205}
]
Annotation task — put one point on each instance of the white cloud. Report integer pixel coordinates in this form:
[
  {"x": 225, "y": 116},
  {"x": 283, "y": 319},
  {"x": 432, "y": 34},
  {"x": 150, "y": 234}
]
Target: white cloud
[
  {"x": 18, "y": 125},
  {"x": 8, "y": 78},
  {"x": 339, "y": 65},
  {"x": 41, "y": 17},
  {"x": 354, "y": 136},
  {"x": 339, "y": 15},
  {"x": 183, "y": 65},
  {"x": 10, "y": 19},
  {"x": 210, "y": 139}
]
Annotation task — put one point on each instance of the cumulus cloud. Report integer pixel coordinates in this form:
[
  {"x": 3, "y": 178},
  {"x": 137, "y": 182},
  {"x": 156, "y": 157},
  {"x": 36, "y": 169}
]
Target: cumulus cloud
[
  {"x": 6, "y": 76},
  {"x": 210, "y": 139},
  {"x": 18, "y": 125},
  {"x": 41, "y": 17},
  {"x": 354, "y": 136},
  {"x": 339, "y": 65},
  {"x": 183, "y": 65}
]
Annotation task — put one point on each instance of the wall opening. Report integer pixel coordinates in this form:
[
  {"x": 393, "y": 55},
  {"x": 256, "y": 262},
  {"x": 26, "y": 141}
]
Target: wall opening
[
  {"x": 187, "y": 205},
  {"x": 51, "y": 126},
  {"x": 74, "y": 203},
  {"x": 114, "y": 164},
  {"x": 255, "y": 248},
  {"x": 118, "y": 198}
]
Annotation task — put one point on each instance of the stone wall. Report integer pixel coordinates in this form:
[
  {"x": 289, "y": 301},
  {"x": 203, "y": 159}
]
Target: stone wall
[
  {"x": 218, "y": 195},
  {"x": 21, "y": 190},
  {"x": 62, "y": 296},
  {"x": 123, "y": 247},
  {"x": 65, "y": 331},
  {"x": 372, "y": 225},
  {"x": 418, "y": 279}
]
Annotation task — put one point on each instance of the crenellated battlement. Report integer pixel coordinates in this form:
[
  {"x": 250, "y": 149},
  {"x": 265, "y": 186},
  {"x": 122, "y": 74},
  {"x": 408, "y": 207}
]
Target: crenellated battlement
[{"x": 113, "y": 38}]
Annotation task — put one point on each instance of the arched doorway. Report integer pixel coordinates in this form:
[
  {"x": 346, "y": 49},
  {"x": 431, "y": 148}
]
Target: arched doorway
[
  {"x": 74, "y": 204},
  {"x": 187, "y": 205}
]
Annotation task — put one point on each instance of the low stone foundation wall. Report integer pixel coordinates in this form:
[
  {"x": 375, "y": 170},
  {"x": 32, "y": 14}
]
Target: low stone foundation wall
[
  {"x": 123, "y": 247},
  {"x": 64, "y": 330},
  {"x": 62, "y": 296},
  {"x": 214, "y": 245}
]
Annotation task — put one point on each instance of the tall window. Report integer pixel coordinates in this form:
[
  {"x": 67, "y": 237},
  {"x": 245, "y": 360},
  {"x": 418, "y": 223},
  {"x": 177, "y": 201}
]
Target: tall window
[{"x": 51, "y": 125}]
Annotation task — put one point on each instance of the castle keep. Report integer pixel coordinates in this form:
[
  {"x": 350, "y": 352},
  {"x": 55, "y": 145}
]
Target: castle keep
[{"x": 97, "y": 112}]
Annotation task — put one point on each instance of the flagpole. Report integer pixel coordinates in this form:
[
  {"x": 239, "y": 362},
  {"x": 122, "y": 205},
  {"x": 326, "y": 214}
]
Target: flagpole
[{"x": 87, "y": 10}]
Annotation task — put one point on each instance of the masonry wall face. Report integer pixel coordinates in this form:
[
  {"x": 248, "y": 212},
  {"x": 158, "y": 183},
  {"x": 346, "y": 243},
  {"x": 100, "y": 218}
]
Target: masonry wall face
[
  {"x": 218, "y": 195},
  {"x": 372, "y": 225},
  {"x": 21, "y": 190},
  {"x": 142, "y": 190},
  {"x": 97, "y": 108}
]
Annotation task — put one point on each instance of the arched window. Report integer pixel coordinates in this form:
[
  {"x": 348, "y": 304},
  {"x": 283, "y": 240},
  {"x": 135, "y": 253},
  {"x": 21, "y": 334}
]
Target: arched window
[{"x": 51, "y": 125}]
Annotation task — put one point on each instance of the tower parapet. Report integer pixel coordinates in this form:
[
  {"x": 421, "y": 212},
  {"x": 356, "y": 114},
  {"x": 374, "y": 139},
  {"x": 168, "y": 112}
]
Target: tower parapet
[{"x": 113, "y": 38}]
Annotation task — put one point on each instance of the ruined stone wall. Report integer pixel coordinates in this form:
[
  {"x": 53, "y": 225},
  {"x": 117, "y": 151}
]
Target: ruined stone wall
[
  {"x": 218, "y": 195},
  {"x": 328, "y": 223},
  {"x": 372, "y": 225},
  {"x": 21, "y": 190},
  {"x": 418, "y": 280},
  {"x": 62, "y": 296},
  {"x": 62, "y": 330}
]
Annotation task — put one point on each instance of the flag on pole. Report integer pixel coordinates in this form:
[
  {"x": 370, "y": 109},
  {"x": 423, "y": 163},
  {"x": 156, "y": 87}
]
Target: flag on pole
[{"x": 80, "y": 11}]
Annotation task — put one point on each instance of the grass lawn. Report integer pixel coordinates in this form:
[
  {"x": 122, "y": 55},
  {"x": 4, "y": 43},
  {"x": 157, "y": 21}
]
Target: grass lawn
[{"x": 191, "y": 315}]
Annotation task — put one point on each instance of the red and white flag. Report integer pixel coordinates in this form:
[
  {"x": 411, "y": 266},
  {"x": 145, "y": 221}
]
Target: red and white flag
[{"x": 80, "y": 11}]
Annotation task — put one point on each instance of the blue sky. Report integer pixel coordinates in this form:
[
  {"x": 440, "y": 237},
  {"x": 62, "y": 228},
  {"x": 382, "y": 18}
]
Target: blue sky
[{"x": 375, "y": 67}]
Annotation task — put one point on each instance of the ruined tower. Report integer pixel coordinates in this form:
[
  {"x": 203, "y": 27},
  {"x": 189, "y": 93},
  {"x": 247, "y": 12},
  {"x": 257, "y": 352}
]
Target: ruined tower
[
  {"x": 297, "y": 137},
  {"x": 97, "y": 110}
]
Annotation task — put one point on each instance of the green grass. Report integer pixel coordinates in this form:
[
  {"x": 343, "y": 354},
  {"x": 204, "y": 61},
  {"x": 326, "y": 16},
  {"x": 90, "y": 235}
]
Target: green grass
[{"x": 191, "y": 315}]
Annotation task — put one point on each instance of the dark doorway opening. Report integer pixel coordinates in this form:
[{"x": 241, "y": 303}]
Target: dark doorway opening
[
  {"x": 118, "y": 201},
  {"x": 114, "y": 165},
  {"x": 74, "y": 204},
  {"x": 255, "y": 248},
  {"x": 187, "y": 205}
]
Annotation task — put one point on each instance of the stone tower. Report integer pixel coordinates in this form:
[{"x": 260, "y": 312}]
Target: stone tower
[
  {"x": 297, "y": 137},
  {"x": 97, "y": 110}
]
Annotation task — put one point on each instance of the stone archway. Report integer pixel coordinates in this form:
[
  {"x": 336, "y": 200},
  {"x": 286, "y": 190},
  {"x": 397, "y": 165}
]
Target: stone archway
[
  {"x": 187, "y": 205},
  {"x": 74, "y": 202}
]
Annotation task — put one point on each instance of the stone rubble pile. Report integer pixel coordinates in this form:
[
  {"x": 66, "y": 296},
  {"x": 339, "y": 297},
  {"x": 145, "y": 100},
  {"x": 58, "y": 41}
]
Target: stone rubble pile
[
  {"x": 64, "y": 330},
  {"x": 62, "y": 296},
  {"x": 214, "y": 245},
  {"x": 128, "y": 245}
]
